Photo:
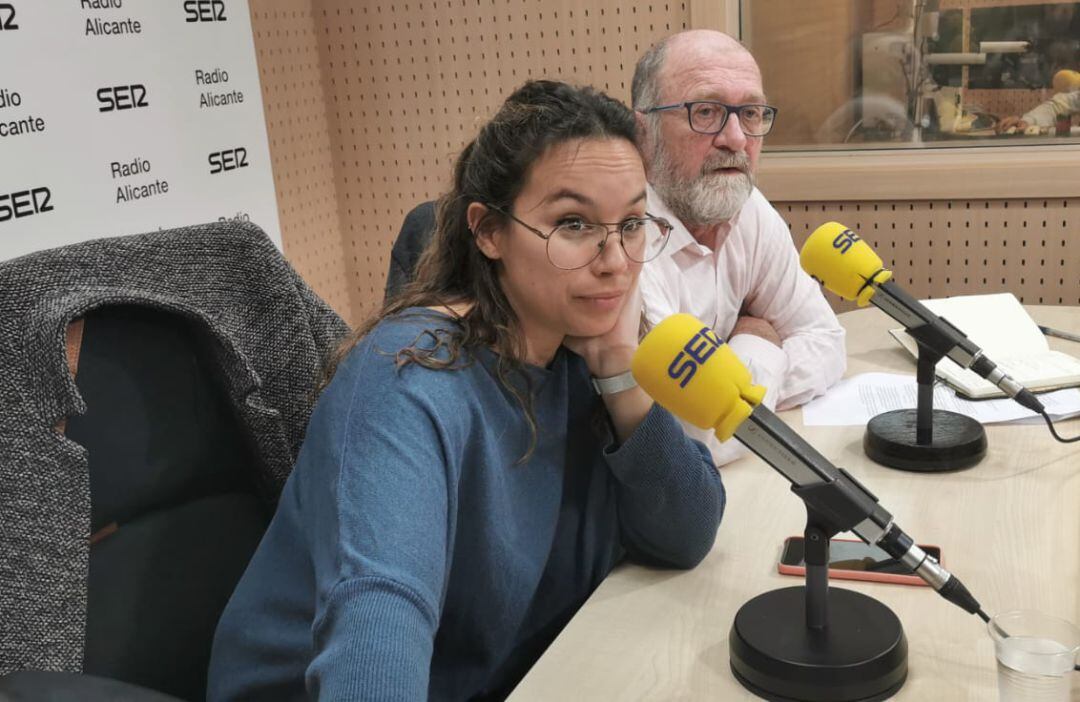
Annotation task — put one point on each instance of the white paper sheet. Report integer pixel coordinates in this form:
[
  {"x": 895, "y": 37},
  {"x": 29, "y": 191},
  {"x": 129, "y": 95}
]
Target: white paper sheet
[{"x": 855, "y": 400}]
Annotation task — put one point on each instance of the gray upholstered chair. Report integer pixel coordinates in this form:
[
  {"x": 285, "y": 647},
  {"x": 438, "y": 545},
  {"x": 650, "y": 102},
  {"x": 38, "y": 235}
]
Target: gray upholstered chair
[{"x": 159, "y": 389}]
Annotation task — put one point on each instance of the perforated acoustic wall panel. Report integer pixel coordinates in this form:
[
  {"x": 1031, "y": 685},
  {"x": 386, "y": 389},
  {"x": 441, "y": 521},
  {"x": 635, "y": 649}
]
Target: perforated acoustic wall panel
[
  {"x": 409, "y": 83},
  {"x": 367, "y": 105},
  {"x": 287, "y": 51},
  {"x": 1028, "y": 247},
  {"x": 1002, "y": 102}
]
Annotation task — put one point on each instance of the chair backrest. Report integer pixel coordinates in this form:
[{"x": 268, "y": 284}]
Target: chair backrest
[
  {"x": 414, "y": 236},
  {"x": 174, "y": 512}
]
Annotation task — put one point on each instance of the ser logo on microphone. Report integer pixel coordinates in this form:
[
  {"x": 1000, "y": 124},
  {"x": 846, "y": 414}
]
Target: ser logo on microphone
[
  {"x": 844, "y": 241},
  {"x": 7, "y": 16},
  {"x": 696, "y": 351}
]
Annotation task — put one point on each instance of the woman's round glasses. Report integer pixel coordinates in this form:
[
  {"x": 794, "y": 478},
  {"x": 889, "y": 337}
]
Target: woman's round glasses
[{"x": 576, "y": 243}]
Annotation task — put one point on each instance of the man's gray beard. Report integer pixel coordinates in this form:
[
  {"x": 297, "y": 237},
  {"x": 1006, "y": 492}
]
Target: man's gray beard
[{"x": 710, "y": 198}]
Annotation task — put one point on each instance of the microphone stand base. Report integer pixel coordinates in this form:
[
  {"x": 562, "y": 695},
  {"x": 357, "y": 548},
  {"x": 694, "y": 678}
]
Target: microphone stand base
[
  {"x": 958, "y": 441},
  {"x": 860, "y": 655}
]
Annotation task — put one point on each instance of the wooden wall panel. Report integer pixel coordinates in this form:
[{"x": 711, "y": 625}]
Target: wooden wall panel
[
  {"x": 368, "y": 103},
  {"x": 1006, "y": 101},
  {"x": 295, "y": 102},
  {"x": 408, "y": 84},
  {"x": 936, "y": 248}
]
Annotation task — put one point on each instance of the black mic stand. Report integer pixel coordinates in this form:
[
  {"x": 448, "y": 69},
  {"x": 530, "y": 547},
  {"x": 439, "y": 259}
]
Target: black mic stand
[
  {"x": 925, "y": 439},
  {"x": 814, "y": 644}
]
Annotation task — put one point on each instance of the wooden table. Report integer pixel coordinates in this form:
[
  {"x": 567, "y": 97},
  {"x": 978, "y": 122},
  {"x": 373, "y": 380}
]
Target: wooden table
[{"x": 1008, "y": 527}]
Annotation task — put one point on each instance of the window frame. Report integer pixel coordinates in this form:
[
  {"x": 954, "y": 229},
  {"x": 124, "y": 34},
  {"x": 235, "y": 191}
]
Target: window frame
[{"x": 1046, "y": 170}]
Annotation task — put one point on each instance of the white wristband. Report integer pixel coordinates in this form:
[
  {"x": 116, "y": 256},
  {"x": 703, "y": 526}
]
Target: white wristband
[{"x": 614, "y": 384}]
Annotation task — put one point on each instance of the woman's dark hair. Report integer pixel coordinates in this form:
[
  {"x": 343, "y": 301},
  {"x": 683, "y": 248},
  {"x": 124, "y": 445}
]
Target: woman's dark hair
[{"x": 492, "y": 170}]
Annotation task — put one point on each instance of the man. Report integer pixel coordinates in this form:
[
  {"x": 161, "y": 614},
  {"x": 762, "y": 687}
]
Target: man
[
  {"x": 1065, "y": 103},
  {"x": 730, "y": 261}
]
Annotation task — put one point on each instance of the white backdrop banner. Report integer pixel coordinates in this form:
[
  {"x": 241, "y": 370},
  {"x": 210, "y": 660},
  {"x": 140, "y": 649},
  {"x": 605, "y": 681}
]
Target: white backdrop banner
[{"x": 124, "y": 116}]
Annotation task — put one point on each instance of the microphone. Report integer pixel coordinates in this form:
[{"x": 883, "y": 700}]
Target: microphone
[
  {"x": 840, "y": 260},
  {"x": 683, "y": 365},
  {"x": 1066, "y": 81}
]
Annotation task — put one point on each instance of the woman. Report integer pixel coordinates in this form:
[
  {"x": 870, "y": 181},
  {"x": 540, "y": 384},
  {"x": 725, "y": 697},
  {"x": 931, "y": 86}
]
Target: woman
[{"x": 462, "y": 488}]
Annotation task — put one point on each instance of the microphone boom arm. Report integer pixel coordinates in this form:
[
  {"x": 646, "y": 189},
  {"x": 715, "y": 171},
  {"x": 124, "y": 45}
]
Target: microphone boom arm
[
  {"x": 830, "y": 492},
  {"x": 836, "y": 501},
  {"x": 935, "y": 332}
]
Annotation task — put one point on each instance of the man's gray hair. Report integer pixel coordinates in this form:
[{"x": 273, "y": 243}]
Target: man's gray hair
[{"x": 645, "y": 87}]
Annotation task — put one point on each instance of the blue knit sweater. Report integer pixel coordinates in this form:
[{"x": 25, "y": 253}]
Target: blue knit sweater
[{"x": 413, "y": 556}]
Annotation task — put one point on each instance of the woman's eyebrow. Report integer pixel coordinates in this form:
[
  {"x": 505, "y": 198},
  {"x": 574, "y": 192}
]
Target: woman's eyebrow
[{"x": 567, "y": 194}]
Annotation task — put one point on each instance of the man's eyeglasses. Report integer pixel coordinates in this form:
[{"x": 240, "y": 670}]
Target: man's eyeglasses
[
  {"x": 575, "y": 243},
  {"x": 707, "y": 117}
]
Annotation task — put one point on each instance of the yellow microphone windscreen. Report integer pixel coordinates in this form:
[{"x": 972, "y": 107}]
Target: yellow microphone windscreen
[
  {"x": 1066, "y": 81},
  {"x": 683, "y": 365},
  {"x": 837, "y": 258}
]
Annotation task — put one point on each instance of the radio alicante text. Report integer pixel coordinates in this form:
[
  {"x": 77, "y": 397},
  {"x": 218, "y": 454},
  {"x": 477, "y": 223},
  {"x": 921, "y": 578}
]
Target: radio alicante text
[
  {"x": 126, "y": 170},
  {"x": 130, "y": 193},
  {"x": 18, "y": 127},
  {"x": 218, "y": 75},
  {"x": 9, "y": 98},
  {"x": 97, "y": 27},
  {"x": 209, "y": 99}
]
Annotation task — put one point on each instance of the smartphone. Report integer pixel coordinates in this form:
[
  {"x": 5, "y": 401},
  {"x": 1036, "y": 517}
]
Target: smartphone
[{"x": 851, "y": 559}]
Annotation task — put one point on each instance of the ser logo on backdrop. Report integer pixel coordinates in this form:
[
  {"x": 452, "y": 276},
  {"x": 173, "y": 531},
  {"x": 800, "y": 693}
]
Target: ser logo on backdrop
[
  {"x": 24, "y": 203},
  {"x": 204, "y": 11},
  {"x": 7, "y": 17},
  {"x": 122, "y": 97},
  {"x": 228, "y": 160}
]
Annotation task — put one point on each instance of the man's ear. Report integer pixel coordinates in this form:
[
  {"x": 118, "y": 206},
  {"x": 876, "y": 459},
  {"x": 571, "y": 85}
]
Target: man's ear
[
  {"x": 641, "y": 131},
  {"x": 483, "y": 230}
]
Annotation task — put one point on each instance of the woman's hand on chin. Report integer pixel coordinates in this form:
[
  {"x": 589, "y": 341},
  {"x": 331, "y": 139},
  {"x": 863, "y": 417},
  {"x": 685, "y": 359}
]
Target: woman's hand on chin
[{"x": 610, "y": 353}]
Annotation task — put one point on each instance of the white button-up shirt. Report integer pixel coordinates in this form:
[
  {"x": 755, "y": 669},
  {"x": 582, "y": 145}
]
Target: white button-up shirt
[
  {"x": 1045, "y": 114},
  {"x": 754, "y": 270}
]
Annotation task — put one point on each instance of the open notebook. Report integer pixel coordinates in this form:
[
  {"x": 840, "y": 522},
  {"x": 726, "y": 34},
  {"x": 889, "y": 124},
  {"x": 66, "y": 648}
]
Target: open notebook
[{"x": 1008, "y": 336}]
